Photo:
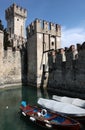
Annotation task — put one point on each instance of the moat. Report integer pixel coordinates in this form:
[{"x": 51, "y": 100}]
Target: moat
[{"x": 10, "y": 100}]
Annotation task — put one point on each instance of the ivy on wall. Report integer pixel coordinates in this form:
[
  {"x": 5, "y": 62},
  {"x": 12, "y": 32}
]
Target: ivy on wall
[{"x": 6, "y": 36}]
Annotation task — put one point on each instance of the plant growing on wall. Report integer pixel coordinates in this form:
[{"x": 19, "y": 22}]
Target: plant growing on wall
[
  {"x": 1, "y": 26},
  {"x": 6, "y": 36}
]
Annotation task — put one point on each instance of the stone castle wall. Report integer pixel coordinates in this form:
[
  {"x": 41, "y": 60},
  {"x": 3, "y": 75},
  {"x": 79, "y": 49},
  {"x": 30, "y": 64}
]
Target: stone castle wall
[
  {"x": 10, "y": 71},
  {"x": 10, "y": 64},
  {"x": 64, "y": 83}
]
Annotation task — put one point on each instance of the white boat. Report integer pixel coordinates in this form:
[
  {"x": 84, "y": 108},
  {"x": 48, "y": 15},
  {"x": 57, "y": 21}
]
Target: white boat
[
  {"x": 66, "y": 106},
  {"x": 74, "y": 101}
]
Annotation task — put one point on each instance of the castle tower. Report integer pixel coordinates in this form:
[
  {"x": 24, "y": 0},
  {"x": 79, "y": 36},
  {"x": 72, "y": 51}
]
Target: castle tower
[
  {"x": 16, "y": 17},
  {"x": 42, "y": 37}
]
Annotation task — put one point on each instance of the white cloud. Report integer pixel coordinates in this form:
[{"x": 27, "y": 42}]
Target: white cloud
[{"x": 72, "y": 36}]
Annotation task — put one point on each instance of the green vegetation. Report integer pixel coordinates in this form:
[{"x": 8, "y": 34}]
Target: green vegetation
[{"x": 6, "y": 36}]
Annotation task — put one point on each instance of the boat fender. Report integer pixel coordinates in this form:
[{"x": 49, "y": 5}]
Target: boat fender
[
  {"x": 44, "y": 112},
  {"x": 32, "y": 119},
  {"x": 23, "y": 103},
  {"x": 23, "y": 114},
  {"x": 48, "y": 125},
  {"x": 46, "y": 121}
]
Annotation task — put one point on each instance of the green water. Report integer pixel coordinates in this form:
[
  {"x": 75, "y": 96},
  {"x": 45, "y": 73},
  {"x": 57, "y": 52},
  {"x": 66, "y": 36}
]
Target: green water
[{"x": 10, "y": 100}]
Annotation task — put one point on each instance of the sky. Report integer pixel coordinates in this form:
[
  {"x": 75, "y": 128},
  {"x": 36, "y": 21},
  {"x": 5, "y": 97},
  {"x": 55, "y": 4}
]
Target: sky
[{"x": 70, "y": 14}]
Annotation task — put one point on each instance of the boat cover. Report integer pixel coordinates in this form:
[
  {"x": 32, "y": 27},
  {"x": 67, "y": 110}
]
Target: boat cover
[
  {"x": 75, "y": 101},
  {"x": 61, "y": 107}
]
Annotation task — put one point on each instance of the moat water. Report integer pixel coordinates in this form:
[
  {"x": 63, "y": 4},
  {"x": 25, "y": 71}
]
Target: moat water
[{"x": 10, "y": 100}]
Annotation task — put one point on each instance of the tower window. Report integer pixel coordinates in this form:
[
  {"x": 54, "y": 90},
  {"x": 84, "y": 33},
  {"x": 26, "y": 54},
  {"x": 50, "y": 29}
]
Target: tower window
[{"x": 52, "y": 43}]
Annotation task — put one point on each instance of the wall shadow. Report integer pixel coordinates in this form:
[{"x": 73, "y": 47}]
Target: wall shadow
[{"x": 24, "y": 64}]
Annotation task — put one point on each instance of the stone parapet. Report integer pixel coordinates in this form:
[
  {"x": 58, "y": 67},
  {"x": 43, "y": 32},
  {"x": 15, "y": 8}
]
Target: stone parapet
[
  {"x": 42, "y": 26},
  {"x": 13, "y": 10}
]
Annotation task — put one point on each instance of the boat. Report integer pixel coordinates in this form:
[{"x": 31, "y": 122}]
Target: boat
[
  {"x": 65, "y": 106},
  {"x": 77, "y": 102},
  {"x": 70, "y": 100},
  {"x": 48, "y": 119}
]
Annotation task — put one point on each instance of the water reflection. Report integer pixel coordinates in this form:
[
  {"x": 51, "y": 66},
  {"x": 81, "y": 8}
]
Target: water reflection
[
  {"x": 42, "y": 92},
  {"x": 32, "y": 94},
  {"x": 29, "y": 94}
]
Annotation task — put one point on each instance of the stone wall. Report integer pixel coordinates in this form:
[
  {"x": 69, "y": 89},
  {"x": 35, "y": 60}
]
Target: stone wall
[
  {"x": 65, "y": 83},
  {"x": 10, "y": 71},
  {"x": 10, "y": 64}
]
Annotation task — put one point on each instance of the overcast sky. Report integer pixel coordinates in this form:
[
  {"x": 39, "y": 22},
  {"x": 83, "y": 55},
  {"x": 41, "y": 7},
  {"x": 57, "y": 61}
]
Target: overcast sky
[{"x": 70, "y": 14}]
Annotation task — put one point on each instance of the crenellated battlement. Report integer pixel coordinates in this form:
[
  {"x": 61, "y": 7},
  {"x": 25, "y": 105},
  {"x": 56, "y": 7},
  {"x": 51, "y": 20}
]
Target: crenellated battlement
[
  {"x": 44, "y": 27},
  {"x": 15, "y": 9},
  {"x": 79, "y": 47}
]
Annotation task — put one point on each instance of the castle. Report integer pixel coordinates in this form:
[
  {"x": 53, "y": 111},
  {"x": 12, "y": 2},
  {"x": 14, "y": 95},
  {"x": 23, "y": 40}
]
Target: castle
[
  {"x": 42, "y": 36},
  {"x": 35, "y": 59}
]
